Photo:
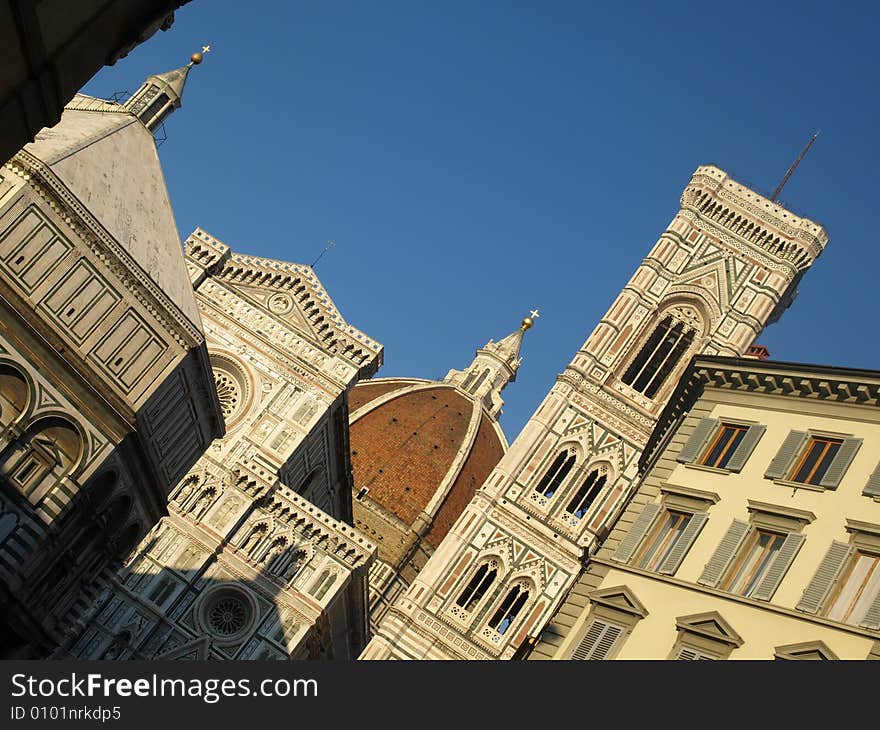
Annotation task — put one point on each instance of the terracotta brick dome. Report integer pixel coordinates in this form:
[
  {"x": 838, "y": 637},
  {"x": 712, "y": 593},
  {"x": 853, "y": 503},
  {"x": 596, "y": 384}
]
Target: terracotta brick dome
[{"x": 420, "y": 447}]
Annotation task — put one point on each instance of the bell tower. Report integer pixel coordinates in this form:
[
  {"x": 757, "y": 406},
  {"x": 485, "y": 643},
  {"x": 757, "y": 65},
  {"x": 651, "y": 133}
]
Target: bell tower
[{"x": 726, "y": 266}]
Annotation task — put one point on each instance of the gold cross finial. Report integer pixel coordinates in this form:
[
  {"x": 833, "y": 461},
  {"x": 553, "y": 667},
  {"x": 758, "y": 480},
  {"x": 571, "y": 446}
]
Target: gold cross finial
[
  {"x": 534, "y": 314},
  {"x": 206, "y": 49}
]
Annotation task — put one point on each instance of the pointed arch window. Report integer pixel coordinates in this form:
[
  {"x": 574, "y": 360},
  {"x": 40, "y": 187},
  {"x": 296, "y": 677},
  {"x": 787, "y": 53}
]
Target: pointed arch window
[
  {"x": 555, "y": 475},
  {"x": 287, "y": 563},
  {"x": 468, "y": 380},
  {"x": 659, "y": 355},
  {"x": 478, "y": 585},
  {"x": 585, "y": 496},
  {"x": 319, "y": 590},
  {"x": 510, "y": 608}
]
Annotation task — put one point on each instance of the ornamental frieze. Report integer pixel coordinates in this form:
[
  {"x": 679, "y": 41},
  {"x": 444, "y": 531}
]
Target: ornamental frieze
[{"x": 740, "y": 245}]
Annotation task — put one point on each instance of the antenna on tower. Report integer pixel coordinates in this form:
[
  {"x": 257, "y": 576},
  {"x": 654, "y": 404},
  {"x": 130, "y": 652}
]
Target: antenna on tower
[
  {"x": 792, "y": 168},
  {"x": 330, "y": 244}
]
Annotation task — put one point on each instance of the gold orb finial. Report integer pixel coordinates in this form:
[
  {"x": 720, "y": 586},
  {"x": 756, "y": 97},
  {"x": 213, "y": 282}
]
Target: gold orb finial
[
  {"x": 528, "y": 322},
  {"x": 196, "y": 58}
]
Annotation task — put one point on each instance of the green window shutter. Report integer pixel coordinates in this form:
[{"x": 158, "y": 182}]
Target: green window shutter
[
  {"x": 781, "y": 463},
  {"x": 586, "y": 644},
  {"x": 694, "y": 445},
  {"x": 606, "y": 642},
  {"x": 632, "y": 539},
  {"x": 872, "y": 488},
  {"x": 683, "y": 544},
  {"x": 724, "y": 554},
  {"x": 821, "y": 583},
  {"x": 598, "y": 641},
  {"x": 840, "y": 463},
  {"x": 779, "y": 567},
  {"x": 738, "y": 459},
  {"x": 872, "y": 618}
]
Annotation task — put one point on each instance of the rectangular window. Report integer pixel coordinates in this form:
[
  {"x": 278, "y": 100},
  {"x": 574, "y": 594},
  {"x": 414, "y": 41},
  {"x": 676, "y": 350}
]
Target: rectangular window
[
  {"x": 815, "y": 460},
  {"x": 754, "y": 562},
  {"x": 818, "y": 460},
  {"x": 858, "y": 589},
  {"x": 661, "y": 537},
  {"x": 660, "y": 544},
  {"x": 26, "y": 472},
  {"x": 724, "y": 445},
  {"x": 721, "y": 444}
]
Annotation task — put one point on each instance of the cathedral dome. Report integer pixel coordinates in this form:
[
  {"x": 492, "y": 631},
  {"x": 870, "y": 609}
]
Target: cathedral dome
[{"x": 419, "y": 451}]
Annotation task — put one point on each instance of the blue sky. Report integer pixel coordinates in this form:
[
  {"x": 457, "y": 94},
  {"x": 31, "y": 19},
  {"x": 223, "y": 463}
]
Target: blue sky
[{"x": 475, "y": 160}]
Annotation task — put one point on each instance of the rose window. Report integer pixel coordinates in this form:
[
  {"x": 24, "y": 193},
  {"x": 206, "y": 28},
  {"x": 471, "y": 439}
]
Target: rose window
[
  {"x": 227, "y": 612},
  {"x": 228, "y": 392},
  {"x": 227, "y": 615}
]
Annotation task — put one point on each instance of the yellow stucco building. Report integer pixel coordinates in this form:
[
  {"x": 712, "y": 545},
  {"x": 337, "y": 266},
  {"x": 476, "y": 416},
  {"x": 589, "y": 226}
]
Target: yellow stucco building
[{"x": 755, "y": 529}]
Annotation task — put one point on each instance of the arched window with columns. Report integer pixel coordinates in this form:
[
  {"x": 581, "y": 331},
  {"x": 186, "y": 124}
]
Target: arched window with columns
[
  {"x": 510, "y": 608},
  {"x": 555, "y": 475},
  {"x": 586, "y": 494},
  {"x": 674, "y": 335},
  {"x": 480, "y": 582}
]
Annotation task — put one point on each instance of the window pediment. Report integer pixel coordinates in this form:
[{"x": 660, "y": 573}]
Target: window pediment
[
  {"x": 776, "y": 517},
  {"x": 805, "y": 650},
  {"x": 865, "y": 527},
  {"x": 620, "y": 598},
  {"x": 688, "y": 498},
  {"x": 710, "y": 625}
]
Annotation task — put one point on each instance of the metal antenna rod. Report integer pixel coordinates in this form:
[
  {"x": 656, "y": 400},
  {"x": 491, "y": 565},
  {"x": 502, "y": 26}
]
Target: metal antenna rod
[
  {"x": 792, "y": 168},
  {"x": 330, "y": 244}
]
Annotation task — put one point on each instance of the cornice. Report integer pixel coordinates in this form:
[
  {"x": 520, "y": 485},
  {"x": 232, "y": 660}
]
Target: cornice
[
  {"x": 722, "y": 186},
  {"x": 344, "y": 543},
  {"x": 821, "y": 386},
  {"x": 793, "y": 380}
]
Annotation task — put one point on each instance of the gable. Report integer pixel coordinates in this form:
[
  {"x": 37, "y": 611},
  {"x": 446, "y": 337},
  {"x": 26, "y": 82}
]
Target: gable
[{"x": 293, "y": 295}]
